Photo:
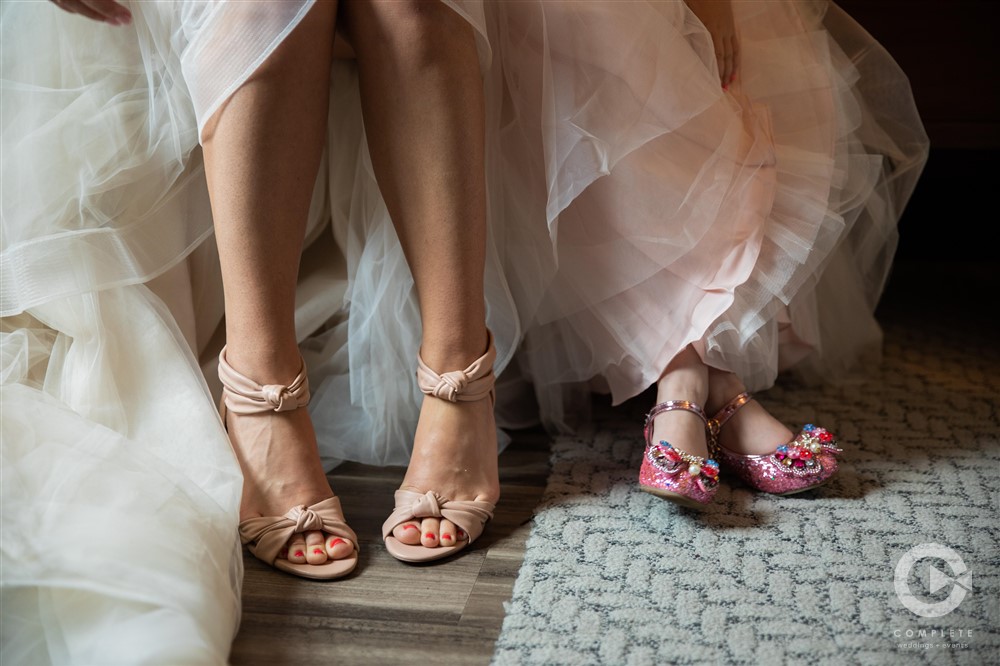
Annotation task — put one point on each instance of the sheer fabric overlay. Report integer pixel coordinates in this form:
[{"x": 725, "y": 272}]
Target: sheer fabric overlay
[
  {"x": 120, "y": 490},
  {"x": 757, "y": 224}
]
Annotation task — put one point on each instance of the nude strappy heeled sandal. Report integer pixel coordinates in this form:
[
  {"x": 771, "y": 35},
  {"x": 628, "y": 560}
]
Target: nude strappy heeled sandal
[
  {"x": 474, "y": 383},
  {"x": 265, "y": 536}
]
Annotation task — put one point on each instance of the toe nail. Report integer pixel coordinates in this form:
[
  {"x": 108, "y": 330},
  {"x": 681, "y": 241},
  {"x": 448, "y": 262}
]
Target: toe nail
[
  {"x": 445, "y": 537},
  {"x": 334, "y": 542},
  {"x": 429, "y": 535},
  {"x": 409, "y": 527},
  {"x": 299, "y": 553},
  {"x": 317, "y": 551}
]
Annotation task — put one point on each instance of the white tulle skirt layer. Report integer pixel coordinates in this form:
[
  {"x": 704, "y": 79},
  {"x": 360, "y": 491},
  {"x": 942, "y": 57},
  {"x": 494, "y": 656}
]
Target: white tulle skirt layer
[
  {"x": 757, "y": 223},
  {"x": 120, "y": 491}
]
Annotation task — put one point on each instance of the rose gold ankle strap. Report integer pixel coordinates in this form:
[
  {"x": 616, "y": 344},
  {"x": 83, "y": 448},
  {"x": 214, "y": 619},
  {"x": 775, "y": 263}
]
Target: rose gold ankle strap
[
  {"x": 243, "y": 395},
  {"x": 726, "y": 413},
  {"x": 474, "y": 383},
  {"x": 669, "y": 406}
]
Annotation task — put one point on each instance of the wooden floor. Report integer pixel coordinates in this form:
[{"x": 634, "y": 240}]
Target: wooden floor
[{"x": 388, "y": 612}]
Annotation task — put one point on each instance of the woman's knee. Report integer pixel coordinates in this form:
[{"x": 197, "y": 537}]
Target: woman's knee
[{"x": 410, "y": 26}]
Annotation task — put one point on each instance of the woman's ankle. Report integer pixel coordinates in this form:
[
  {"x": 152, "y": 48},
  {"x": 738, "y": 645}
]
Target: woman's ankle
[
  {"x": 264, "y": 364},
  {"x": 454, "y": 350}
]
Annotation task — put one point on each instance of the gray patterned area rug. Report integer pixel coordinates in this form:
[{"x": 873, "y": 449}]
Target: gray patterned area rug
[{"x": 613, "y": 575}]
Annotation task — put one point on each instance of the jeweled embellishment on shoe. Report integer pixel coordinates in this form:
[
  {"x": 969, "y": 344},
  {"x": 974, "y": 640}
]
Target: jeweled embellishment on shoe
[
  {"x": 801, "y": 456},
  {"x": 807, "y": 461},
  {"x": 668, "y": 459},
  {"x": 670, "y": 473}
]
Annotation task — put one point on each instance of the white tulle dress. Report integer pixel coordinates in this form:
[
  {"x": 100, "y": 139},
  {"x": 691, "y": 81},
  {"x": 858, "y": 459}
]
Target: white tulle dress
[{"x": 634, "y": 207}]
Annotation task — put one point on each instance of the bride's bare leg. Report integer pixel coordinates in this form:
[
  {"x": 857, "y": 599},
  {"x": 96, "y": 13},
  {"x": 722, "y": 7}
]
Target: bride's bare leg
[
  {"x": 421, "y": 93},
  {"x": 262, "y": 152}
]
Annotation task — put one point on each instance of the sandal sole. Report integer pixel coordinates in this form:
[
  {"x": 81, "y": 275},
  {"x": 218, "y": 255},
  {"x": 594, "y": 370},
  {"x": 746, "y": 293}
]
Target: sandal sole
[
  {"x": 330, "y": 570},
  {"x": 415, "y": 554}
]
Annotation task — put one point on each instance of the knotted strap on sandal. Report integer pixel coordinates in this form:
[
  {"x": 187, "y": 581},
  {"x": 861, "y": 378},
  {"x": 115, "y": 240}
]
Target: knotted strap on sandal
[
  {"x": 474, "y": 383},
  {"x": 242, "y": 395},
  {"x": 265, "y": 536},
  {"x": 470, "y": 515}
]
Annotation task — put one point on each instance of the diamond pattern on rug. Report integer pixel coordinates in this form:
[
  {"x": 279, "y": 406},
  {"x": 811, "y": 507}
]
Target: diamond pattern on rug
[{"x": 613, "y": 575}]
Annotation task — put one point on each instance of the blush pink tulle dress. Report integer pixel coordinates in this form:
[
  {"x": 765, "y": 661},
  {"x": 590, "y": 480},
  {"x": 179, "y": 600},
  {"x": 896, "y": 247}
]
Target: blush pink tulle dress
[
  {"x": 634, "y": 207},
  {"x": 757, "y": 223}
]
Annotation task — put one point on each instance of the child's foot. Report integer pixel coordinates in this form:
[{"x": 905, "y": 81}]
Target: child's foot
[
  {"x": 750, "y": 435},
  {"x": 281, "y": 468},
  {"x": 677, "y": 465},
  {"x": 751, "y": 430},
  {"x": 686, "y": 378},
  {"x": 454, "y": 455}
]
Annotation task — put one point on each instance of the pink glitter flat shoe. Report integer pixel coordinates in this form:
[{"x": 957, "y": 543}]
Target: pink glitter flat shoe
[
  {"x": 805, "y": 462},
  {"x": 672, "y": 474}
]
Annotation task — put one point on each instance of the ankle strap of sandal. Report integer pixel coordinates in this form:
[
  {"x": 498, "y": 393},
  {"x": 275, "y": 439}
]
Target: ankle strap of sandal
[
  {"x": 474, "y": 383},
  {"x": 243, "y": 395},
  {"x": 726, "y": 413},
  {"x": 669, "y": 406}
]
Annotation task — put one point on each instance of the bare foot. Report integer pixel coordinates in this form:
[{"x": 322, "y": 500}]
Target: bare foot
[
  {"x": 751, "y": 430},
  {"x": 281, "y": 468},
  {"x": 686, "y": 378},
  {"x": 454, "y": 454}
]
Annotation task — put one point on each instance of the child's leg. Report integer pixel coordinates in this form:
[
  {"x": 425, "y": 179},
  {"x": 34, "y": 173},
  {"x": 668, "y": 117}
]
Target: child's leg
[
  {"x": 686, "y": 378},
  {"x": 752, "y": 430}
]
